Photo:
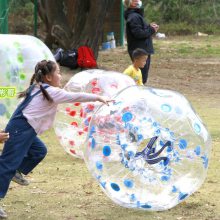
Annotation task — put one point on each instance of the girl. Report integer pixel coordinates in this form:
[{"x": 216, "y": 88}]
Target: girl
[{"x": 34, "y": 115}]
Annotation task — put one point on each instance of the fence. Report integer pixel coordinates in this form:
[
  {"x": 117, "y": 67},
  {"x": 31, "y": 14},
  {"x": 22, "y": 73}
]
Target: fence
[
  {"x": 4, "y": 16},
  {"x": 18, "y": 17}
]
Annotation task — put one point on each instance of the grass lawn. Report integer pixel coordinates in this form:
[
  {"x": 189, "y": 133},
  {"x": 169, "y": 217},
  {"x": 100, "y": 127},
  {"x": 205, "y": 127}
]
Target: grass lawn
[{"x": 61, "y": 186}]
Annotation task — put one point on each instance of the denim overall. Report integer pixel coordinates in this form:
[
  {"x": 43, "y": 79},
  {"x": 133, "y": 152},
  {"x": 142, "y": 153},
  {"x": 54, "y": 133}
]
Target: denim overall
[{"x": 23, "y": 150}]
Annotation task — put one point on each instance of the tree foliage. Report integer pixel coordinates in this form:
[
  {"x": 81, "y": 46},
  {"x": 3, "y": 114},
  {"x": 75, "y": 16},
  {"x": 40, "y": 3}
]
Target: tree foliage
[{"x": 189, "y": 11}]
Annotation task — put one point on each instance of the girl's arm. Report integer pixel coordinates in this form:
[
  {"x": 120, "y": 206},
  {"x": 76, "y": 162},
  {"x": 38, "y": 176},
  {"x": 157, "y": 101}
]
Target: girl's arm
[{"x": 62, "y": 96}]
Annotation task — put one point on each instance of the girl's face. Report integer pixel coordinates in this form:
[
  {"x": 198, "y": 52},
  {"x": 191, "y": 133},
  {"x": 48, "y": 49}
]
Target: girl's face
[{"x": 54, "y": 79}]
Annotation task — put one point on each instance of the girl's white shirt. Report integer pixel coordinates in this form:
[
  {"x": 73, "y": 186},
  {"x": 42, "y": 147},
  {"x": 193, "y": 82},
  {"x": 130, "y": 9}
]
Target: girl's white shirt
[{"x": 40, "y": 113}]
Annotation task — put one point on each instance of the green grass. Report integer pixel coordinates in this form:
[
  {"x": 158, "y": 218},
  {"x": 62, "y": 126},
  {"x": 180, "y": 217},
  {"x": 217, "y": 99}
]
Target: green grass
[
  {"x": 184, "y": 28},
  {"x": 194, "y": 46},
  {"x": 62, "y": 187}
]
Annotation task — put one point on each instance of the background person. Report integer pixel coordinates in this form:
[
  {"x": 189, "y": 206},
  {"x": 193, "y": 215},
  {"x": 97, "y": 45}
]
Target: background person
[{"x": 139, "y": 32}]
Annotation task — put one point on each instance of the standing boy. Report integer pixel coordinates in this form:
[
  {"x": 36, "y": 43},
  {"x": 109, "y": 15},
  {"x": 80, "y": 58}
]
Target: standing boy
[{"x": 139, "y": 57}]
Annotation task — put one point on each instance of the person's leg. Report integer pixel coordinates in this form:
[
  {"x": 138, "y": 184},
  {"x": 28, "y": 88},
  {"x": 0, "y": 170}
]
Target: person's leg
[
  {"x": 14, "y": 151},
  {"x": 18, "y": 178},
  {"x": 145, "y": 70},
  {"x": 35, "y": 155}
]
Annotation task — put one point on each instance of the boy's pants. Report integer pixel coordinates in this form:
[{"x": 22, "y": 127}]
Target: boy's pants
[{"x": 145, "y": 70}]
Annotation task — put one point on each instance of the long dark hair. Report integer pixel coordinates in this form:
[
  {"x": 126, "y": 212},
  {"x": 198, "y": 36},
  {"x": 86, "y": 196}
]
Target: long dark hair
[{"x": 42, "y": 69}]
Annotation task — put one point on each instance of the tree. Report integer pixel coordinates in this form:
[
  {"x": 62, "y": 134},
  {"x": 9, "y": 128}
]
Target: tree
[{"x": 73, "y": 23}]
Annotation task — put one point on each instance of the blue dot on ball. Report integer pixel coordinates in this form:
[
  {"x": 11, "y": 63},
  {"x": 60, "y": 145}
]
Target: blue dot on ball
[
  {"x": 115, "y": 187},
  {"x": 197, "y": 128},
  {"x": 182, "y": 196},
  {"x": 106, "y": 150},
  {"x": 146, "y": 206},
  {"x": 126, "y": 117},
  {"x": 166, "y": 108},
  {"x": 132, "y": 197},
  {"x": 93, "y": 143},
  {"x": 99, "y": 165},
  {"x": 183, "y": 144},
  {"x": 103, "y": 184},
  {"x": 165, "y": 178},
  {"x": 174, "y": 189},
  {"x": 128, "y": 183},
  {"x": 197, "y": 150}
]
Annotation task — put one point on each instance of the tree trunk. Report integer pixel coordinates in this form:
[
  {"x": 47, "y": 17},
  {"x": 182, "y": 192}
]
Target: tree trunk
[{"x": 73, "y": 23}]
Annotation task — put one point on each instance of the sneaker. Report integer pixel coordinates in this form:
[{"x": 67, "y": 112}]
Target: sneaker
[
  {"x": 18, "y": 178},
  {"x": 3, "y": 214}
]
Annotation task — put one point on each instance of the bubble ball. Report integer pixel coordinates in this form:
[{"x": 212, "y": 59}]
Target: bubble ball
[
  {"x": 72, "y": 120},
  {"x": 148, "y": 150},
  {"x": 18, "y": 56}
]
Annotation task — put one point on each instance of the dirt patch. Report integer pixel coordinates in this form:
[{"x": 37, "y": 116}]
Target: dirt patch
[{"x": 192, "y": 76}]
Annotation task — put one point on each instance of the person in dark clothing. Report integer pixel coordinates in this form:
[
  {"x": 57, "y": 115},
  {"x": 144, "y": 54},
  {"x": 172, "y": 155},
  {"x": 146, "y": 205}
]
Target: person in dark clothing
[{"x": 139, "y": 32}]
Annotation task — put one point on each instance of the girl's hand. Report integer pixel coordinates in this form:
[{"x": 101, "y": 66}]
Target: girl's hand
[
  {"x": 3, "y": 136},
  {"x": 105, "y": 100}
]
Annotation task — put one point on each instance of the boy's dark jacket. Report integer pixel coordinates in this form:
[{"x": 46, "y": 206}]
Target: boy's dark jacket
[{"x": 139, "y": 33}]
